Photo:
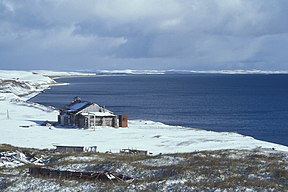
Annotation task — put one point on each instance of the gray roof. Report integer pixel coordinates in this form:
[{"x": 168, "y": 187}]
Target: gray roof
[{"x": 76, "y": 106}]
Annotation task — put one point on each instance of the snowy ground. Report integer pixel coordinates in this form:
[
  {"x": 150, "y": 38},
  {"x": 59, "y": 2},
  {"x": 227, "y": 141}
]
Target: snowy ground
[{"x": 20, "y": 125}]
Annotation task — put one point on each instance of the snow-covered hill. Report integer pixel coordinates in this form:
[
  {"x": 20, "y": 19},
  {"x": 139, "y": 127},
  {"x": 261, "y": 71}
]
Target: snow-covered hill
[{"x": 20, "y": 125}]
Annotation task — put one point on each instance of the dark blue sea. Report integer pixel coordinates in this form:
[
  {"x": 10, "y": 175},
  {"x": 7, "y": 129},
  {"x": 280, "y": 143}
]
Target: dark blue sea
[{"x": 254, "y": 105}]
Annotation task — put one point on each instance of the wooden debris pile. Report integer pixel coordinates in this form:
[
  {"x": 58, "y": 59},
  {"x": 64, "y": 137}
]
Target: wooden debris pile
[
  {"x": 11, "y": 159},
  {"x": 92, "y": 176}
]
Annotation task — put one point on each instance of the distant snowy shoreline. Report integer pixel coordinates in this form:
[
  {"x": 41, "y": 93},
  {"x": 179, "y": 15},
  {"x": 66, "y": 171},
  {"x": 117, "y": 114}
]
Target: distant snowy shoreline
[
  {"x": 20, "y": 124},
  {"x": 23, "y": 85},
  {"x": 163, "y": 72}
]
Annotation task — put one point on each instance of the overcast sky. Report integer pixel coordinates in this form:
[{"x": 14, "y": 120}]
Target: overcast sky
[{"x": 144, "y": 34}]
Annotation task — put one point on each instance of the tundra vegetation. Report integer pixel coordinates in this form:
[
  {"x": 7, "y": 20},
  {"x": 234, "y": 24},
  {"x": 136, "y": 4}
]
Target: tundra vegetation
[{"x": 230, "y": 170}]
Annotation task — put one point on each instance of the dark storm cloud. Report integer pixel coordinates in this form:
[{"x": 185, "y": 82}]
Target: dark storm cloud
[{"x": 179, "y": 34}]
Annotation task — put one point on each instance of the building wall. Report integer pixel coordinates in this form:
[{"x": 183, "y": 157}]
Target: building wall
[
  {"x": 66, "y": 120},
  {"x": 102, "y": 121},
  {"x": 86, "y": 121},
  {"x": 69, "y": 149},
  {"x": 63, "y": 119},
  {"x": 81, "y": 122}
]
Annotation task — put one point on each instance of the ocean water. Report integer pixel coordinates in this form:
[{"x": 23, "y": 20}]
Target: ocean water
[{"x": 253, "y": 105}]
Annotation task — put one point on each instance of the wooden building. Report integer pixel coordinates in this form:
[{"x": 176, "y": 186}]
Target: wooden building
[
  {"x": 84, "y": 114},
  {"x": 69, "y": 149}
]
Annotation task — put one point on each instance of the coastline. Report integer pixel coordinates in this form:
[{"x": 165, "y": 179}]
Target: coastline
[{"x": 147, "y": 135}]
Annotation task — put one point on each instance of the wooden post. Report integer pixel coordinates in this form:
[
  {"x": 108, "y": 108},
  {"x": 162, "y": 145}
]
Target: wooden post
[{"x": 94, "y": 116}]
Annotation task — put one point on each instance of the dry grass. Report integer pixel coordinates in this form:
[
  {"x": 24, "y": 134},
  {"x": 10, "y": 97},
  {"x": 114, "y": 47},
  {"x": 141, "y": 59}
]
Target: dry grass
[{"x": 206, "y": 170}]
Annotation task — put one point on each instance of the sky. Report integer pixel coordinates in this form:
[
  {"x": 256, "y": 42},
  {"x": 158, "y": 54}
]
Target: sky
[{"x": 144, "y": 34}]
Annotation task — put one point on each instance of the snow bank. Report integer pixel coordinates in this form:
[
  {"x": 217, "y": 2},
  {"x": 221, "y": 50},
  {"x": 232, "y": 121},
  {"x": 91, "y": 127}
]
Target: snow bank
[
  {"x": 30, "y": 77},
  {"x": 24, "y": 84},
  {"x": 151, "y": 136},
  {"x": 10, "y": 159},
  {"x": 20, "y": 126}
]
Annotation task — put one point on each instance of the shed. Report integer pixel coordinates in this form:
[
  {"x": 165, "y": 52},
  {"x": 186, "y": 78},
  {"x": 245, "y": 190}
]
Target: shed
[
  {"x": 69, "y": 149},
  {"x": 123, "y": 120}
]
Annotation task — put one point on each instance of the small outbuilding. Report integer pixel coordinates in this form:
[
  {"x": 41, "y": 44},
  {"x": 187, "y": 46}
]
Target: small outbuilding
[
  {"x": 69, "y": 149},
  {"x": 123, "y": 120}
]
